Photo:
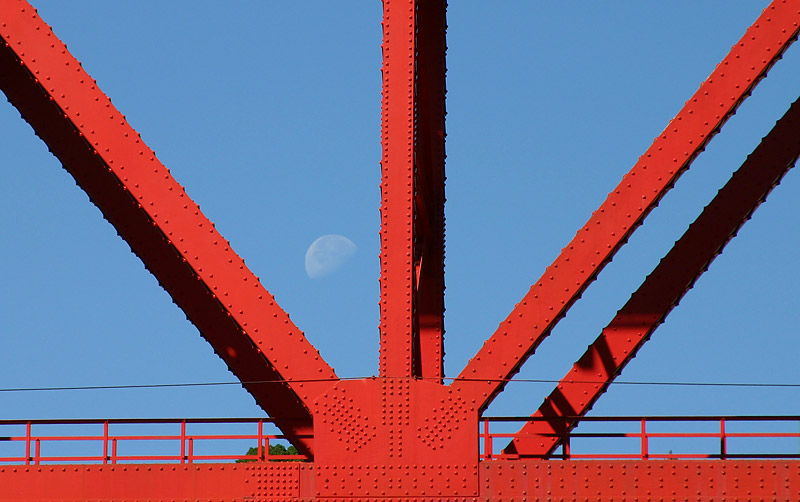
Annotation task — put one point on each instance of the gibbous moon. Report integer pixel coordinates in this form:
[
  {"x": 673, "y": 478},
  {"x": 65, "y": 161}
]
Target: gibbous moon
[{"x": 327, "y": 254}]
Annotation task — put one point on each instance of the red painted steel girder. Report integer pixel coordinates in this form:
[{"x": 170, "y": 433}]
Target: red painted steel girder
[
  {"x": 163, "y": 226},
  {"x": 404, "y": 437},
  {"x": 397, "y": 190},
  {"x": 412, "y": 190},
  {"x": 563, "y": 282},
  {"x": 500, "y": 481},
  {"x": 677, "y": 272}
]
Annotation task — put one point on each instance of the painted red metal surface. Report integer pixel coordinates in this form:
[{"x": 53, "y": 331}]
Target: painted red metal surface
[
  {"x": 652, "y": 480},
  {"x": 502, "y": 480},
  {"x": 562, "y": 283},
  {"x": 403, "y": 434},
  {"x": 691, "y": 255},
  {"x": 231, "y": 482},
  {"x": 412, "y": 190},
  {"x": 397, "y": 190},
  {"x": 396, "y": 434}
]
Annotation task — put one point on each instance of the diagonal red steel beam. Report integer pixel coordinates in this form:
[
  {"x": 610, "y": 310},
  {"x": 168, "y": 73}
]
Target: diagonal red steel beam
[
  {"x": 412, "y": 189},
  {"x": 578, "y": 264},
  {"x": 677, "y": 272},
  {"x": 163, "y": 226}
]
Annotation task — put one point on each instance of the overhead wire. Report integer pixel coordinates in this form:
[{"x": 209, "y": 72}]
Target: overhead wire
[{"x": 507, "y": 380}]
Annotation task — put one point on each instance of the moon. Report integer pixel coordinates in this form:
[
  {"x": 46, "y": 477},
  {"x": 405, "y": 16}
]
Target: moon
[{"x": 327, "y": 254}]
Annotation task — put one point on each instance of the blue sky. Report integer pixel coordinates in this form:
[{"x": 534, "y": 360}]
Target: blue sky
[{"x": 268, "y": 113}]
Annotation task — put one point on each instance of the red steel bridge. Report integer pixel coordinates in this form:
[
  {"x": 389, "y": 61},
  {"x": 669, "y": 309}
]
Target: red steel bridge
[{"x": 408, "y": 433}]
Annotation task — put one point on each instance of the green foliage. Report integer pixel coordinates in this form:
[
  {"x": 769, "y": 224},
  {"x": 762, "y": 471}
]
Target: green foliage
[{"x": 275, "y": 449}]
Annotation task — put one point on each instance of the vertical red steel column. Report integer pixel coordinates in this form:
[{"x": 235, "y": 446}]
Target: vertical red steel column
[
  {"x": 412, "y": 189},
  {"x": 397, "y": 188}
]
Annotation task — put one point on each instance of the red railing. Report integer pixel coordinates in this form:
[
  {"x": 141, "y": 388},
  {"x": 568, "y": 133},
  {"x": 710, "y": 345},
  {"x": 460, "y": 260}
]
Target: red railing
[
  {"x": 655, "y": 437},
  {"x": 116, "y": 441}
]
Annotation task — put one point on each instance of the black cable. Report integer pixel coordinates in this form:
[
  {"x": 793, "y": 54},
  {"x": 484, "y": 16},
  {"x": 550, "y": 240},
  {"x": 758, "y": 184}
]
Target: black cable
[{"x": 509, "y": 380}]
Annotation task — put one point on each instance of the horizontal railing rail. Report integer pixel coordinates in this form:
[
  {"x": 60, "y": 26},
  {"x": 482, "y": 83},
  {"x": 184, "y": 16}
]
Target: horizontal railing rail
[
  {"x": 115, "y": 441},
  {"x": 656, "y": 437},
  {"x": 194, "y": 440}
]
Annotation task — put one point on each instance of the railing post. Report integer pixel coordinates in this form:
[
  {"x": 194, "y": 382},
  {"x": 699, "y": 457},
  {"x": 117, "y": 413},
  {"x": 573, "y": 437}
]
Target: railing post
[
  {"x": 114, "y": 451},
  {"x": 260, "y": 440},
  {"x": 38, "y": 451},
  {"x": 191, "y": 450},
  {"x": 105, "y": 442},
  {"x": 565, "y": 447},
  {"x": 645, "y": 452},
  {"x": 723, "y": 439},
  {"x": 487, "y": 441},
  {"x": 183, "y": 441},
  {"x": 28, "y": 443}
]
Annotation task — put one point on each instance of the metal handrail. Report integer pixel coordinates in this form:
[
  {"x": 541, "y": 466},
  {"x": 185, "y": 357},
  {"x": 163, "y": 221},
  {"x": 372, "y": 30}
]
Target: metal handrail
[
  {"x": 640, "y": 433},
  {"x": 100, "y": 441},
  {"x": 178, "y": 447}
]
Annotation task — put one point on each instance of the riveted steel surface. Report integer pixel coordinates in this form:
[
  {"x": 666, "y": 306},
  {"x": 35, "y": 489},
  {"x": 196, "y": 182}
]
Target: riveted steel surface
[
  {"x": 567, "y": 481},
  {"x": 562, "y": 283},
  {"x": 398, "y": 436},
  {"x": 395, "y": 437},
  {"x": 163, "y": 226},
  {"x": 664, "y": 287},
  {"x": 134, "y": 482},
  {"x": 657, "y": 480},
  {"x": 412, "y": 189},
  {"x": 397, "y": 189}
]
